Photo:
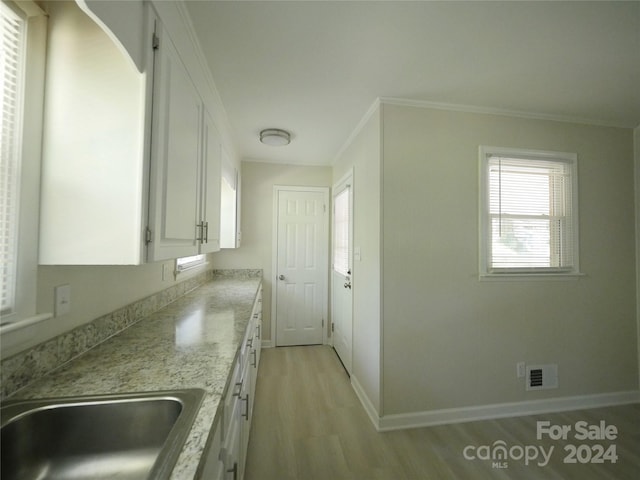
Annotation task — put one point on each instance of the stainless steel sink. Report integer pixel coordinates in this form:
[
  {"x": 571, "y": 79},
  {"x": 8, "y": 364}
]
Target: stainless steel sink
[{"x": 123, "y": 436}]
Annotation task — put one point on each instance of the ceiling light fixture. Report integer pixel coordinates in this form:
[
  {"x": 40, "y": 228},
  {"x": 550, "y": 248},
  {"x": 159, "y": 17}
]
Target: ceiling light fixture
[{"x": 275, "y": 137}]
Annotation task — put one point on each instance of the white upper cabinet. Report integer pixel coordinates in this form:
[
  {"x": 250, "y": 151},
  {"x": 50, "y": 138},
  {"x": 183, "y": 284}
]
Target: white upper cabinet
[
  {"x": 175, "y": 152},
  {"x": 95, "y": 146},
  {"x": 210, "y": 186},
  {"x": 131, "y": 161},
  {"x": 184, "y": 201}
]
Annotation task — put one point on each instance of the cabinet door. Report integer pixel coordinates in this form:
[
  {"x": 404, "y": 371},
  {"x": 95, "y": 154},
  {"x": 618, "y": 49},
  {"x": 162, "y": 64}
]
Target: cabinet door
[
  {"x": 210, "y": 186},
  {"x": 175, "y": 161},
  {"x": 230, "y": 453},
  {"x": 211, "y": 464},
  {"x": 244, "y": 405}
]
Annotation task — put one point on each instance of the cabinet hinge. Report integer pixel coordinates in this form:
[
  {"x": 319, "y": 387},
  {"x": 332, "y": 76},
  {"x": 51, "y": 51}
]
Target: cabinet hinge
[
  {"x": 155, "y": 41},
  {"x": 147, "y": 236}
]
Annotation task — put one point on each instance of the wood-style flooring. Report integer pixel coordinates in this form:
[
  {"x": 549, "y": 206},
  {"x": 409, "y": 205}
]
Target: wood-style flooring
[{"x": 309, "y": 425}]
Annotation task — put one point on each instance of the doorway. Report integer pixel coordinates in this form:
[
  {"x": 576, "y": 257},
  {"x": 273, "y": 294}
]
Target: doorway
[{"x": 301, "y": 260}]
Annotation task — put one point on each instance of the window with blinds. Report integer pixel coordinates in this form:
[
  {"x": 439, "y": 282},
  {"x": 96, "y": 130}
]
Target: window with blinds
[
  {"x": 187, "y": 263},
  {"x": 12, "y": 59},
  {"x": 341, "y": 212},
  {"x": 529, "y": 220}
]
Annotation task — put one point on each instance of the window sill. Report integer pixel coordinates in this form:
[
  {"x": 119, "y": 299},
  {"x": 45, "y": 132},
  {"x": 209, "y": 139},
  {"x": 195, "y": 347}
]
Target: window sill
[
  {"x": 511, "y": 277},
  {"x": 10, "y": 326}
]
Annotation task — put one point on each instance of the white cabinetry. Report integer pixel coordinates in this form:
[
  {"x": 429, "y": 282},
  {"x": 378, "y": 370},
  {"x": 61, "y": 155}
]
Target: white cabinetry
[
  {"x": 185, "y": 167},
  {"x": 210, "y": 186},
  {"x": 95, "y": 146},
  {"x": 226, "y": 451},
  {"x": 131, "y": 167}
]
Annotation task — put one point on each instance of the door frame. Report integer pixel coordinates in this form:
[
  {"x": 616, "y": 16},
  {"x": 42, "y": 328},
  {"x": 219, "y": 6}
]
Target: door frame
[
  {"x": 347, "y": 181},
  {"x": 325, "y": 254}
]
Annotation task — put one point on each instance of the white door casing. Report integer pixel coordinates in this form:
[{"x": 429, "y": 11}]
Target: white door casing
[
  {"x": 300, "y": 265},
  {"x": 342, "y": 270}
]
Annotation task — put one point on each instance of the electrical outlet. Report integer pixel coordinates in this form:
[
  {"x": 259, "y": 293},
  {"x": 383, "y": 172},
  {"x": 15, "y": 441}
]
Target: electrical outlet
[
  {"x": 62, "y": 299},
  {"x": 520, "y": 369}
]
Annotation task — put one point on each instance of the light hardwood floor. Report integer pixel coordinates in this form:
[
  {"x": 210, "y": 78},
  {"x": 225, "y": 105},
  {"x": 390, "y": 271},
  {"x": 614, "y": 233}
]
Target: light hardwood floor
[{"x": 309, "y": 425}]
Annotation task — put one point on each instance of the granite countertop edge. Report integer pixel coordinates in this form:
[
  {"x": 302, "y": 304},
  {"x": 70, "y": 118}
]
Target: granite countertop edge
[{"x": 191, "y": 343}]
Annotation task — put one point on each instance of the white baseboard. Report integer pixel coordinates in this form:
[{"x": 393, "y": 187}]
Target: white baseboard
[
  {"x": 267, "y": 344},
  {"x": 366, "y": 403},
  {"x": 501, "y": 410}
]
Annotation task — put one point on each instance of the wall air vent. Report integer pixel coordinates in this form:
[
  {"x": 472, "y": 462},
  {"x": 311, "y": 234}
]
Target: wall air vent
[{"x": 541, "y": 377}]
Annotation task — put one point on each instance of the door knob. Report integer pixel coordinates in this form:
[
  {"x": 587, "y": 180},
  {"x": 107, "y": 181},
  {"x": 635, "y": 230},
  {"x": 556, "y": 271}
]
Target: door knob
[{"x": 281, "y": 277}]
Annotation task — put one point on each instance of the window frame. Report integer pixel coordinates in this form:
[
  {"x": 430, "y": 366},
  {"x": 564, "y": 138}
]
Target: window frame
[
  {"x": 485, "y": 242},
  {"x": 30, "y": 153},
  {"x": 342, "y": 237}
]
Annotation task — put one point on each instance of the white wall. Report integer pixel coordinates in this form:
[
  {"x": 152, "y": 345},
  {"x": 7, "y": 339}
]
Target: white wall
[
  {"x": 256, "y": 249},
  {"x": 453, "y": 341},
  {"x": 363, "y": 155}
]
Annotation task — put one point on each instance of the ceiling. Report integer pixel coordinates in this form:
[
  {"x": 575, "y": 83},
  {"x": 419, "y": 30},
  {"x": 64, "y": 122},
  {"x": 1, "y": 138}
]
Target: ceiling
[{"x": 315, "y": 67}]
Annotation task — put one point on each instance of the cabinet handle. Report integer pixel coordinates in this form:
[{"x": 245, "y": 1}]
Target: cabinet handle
[
  {"x": 199, "y": 232},
  {"x": 234, "y": 470},
  {"x": 250, "y": 342},
  {"x": 237, "y": 394},
  {"x": 246, "y": 407},
  {"x": 255, "y": 356},
  {"x": 259, "y": 330},
  {"x": 206, "y": 232}
]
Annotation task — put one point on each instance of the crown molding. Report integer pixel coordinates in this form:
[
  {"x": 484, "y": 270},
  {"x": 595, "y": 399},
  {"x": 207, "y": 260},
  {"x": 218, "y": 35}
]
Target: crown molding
[
  {"x": 363, "y": 121},
  {"x": 454, "y": 107}
]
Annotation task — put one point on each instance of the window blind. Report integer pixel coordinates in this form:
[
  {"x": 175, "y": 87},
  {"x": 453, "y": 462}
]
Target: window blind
[
  {"x": 341, "y": 213},
  {"x": 531, "y": 214},
  {"x": 186, "y": 263},
  {"x": 12, "y": 55}
]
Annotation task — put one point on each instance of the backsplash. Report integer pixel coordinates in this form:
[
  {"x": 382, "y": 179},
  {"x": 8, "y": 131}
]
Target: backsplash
[{"x": 23, "y": 368}]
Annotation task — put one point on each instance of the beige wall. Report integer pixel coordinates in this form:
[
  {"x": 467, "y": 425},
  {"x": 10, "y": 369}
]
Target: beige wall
[
  {"x": 256, "y": 250},
  {"x": 451, "y": 340},
  {"x": 363, "y": 156},
  {"x": 95, "y": 291}
]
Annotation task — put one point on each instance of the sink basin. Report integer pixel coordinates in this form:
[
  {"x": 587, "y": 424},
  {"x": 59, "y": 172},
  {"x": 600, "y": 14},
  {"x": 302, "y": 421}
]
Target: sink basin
[{"x": 122, "y": 436}]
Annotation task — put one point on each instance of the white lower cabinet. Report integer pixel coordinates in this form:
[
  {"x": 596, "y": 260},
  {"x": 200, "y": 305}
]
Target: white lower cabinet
[{"x": 226, "y": 450}]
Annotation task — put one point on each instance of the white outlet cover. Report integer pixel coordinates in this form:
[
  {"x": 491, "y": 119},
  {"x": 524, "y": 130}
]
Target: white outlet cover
[{"x": 62, "y": 300}]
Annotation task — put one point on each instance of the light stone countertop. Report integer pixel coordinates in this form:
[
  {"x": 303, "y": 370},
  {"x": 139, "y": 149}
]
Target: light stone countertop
[{"x": 191, "y": 343}]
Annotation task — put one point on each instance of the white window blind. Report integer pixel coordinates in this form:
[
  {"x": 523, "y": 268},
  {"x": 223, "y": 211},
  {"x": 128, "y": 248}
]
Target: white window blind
[
  {"x": 531, "y": 213},
  {"x": 341, "y": 232},
  {"x": 12, "y": 57},
  {"x": 187, "y": 263}
]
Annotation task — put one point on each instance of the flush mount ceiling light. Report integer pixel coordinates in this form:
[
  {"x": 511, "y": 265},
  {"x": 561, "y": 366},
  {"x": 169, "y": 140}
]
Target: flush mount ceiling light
[{"x": 275, "y": 137}]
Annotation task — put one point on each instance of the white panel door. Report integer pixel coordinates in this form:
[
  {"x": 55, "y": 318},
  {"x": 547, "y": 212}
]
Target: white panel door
[
  {"x": 341, "y": 277},
  {"x": 301, "y": 266}
]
